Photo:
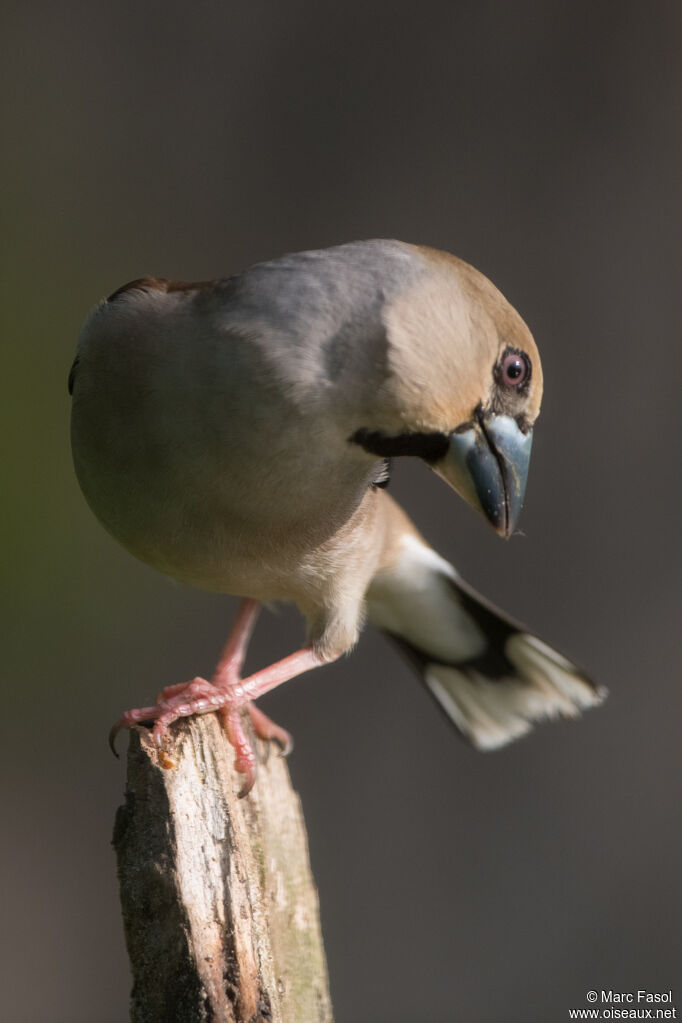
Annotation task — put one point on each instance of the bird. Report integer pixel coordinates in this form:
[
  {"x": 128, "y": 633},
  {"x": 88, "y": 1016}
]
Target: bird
[{"x": 238, "y": 434}]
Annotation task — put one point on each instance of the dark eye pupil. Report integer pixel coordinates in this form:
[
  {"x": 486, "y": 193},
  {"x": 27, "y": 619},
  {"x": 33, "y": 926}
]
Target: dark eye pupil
[{"x": 515, "y": 369}]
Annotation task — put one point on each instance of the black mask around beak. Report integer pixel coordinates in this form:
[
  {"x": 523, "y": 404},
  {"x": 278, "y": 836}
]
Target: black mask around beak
[{"x": 487, "y": 464}]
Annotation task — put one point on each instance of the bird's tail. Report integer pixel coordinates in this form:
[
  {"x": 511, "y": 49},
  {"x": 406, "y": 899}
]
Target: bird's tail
[{"x": 492, "y": 677}]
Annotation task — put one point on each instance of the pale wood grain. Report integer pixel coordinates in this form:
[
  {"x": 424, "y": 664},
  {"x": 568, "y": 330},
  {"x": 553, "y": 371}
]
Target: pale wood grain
[{"x": 219, "y": 904}]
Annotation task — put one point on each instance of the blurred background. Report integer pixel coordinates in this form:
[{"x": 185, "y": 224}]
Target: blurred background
[{"x": 538, "y": 140}]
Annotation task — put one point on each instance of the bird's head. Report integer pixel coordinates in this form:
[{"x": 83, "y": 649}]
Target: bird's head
[{"x": 461, "y": 388}]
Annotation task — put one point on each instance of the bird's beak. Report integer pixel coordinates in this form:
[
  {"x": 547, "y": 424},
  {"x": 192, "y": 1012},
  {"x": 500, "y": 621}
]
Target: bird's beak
[{"x": 487, "y": 464}]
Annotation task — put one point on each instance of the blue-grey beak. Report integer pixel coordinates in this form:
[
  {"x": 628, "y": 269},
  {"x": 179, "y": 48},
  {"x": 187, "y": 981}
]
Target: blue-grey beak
[{"x": 487, "y": 464}]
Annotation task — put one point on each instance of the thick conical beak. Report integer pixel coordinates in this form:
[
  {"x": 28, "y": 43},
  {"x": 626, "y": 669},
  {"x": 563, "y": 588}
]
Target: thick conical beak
[{"x": 487, "y": 464}]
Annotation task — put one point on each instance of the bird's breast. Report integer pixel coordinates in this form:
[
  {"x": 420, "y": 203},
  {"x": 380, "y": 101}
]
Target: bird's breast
[
  {"x": 194, "y": 453},
  {"x": 208, "y": 501}
]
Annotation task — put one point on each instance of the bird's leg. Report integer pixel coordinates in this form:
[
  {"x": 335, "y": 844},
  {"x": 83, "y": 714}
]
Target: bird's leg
[
  {"x": 228, "y": 694},
  {"x": 232, "y": 658},
  {"x": 227, "y": 672},
  {"x": 201, "y": 697},
  {"x": 227, "y": 676}
]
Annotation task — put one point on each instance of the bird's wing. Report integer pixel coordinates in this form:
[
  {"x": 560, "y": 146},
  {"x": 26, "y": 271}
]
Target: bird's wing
[{"x": 492, "y": 677}]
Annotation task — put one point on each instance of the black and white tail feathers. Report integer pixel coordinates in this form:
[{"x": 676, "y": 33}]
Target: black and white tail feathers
[{"x": 493, "y": 679}]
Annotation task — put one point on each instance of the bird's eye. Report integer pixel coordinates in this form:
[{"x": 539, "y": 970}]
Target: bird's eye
[{"x": 514, "y": 369}]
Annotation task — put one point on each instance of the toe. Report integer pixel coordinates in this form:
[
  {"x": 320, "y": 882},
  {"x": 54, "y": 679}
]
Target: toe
[
  {"x": 265, "y": 728},
  {"x": 245, "y": 763},
  {"x": 159, "y": 730},
  {"x": 189, "y": 690},
  {"x": 245, "y": 758},
  {"x": 168, "y": 692},
  {"x": 249, "y": 782},
  {"x": 130, "y": 718}
]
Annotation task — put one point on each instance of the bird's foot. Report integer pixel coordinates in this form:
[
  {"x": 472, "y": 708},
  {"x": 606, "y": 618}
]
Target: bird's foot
[
  {"x": 186, "y": 699},
  {"x": 263, "y": 726},
  {"x": 181, "y": 700},
  {"x": 230, "y": 695}
]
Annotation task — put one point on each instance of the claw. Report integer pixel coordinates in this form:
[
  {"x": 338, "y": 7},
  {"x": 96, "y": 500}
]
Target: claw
[
  {"x": 248, "y": 785},
  {"x": 265, "y": 728},
  {"x": 130, "y": 718},
  {"x": 284, "y": 742},
  {"x": 244, "y": 762},
  {"x": 285, "y": 748},
  {"x": 113, "y": 732}
]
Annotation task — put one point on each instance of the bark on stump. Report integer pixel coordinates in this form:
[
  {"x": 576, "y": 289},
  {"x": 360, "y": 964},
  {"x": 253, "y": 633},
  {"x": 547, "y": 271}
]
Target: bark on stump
[{"x": 219, "y": 905}]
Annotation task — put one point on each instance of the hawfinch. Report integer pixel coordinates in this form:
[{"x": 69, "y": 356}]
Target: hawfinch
[{"x": 237, "y": 435}]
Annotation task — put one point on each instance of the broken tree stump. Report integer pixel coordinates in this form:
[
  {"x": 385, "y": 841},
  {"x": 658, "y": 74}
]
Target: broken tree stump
[{"x": 219, "y": 905}]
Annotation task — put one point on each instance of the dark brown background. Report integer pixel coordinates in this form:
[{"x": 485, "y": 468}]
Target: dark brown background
[{"x": 540, "y": 141}]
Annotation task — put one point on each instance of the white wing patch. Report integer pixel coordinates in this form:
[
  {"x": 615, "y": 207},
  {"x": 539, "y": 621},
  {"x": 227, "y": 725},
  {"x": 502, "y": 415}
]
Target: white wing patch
[
  {"x": 492, "y": 678},
  {"x": 415, "y": 601}
]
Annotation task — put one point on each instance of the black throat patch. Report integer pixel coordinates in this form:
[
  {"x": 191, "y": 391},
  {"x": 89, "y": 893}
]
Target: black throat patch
[{"x": 431, "y": 447}]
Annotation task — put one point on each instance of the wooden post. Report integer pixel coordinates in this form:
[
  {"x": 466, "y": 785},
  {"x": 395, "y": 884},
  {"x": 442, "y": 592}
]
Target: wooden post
[{"x": 219, "y": 905}]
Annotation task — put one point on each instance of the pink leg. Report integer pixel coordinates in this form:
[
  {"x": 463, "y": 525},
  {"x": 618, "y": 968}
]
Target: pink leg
[
  {"x": 232, "y": 657},
  {"x": 228, "y": 670},
  {"x": 281, "y": 671},
  {"x": 234, "y": 651},
  {"x": 228, "y": 695},
  {"x": 227, "y": 675},
  {"x": 201, "y": 697}
]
